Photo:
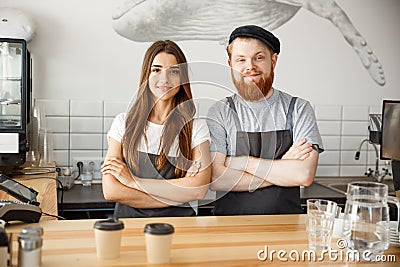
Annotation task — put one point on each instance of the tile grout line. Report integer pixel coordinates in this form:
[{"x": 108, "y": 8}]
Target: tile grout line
[
  {"x": 69, "y": 133},
  {"x": 340, "y": 140},
  {"x": 103, "y": 130}
]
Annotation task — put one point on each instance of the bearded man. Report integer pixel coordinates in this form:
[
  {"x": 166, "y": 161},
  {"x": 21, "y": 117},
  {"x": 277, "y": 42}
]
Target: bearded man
[{"x": 265, "y": 143}]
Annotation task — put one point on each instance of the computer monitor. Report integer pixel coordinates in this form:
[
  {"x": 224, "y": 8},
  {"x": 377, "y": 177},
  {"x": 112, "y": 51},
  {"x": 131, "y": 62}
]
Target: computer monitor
[{"x": 390, "y": 147}]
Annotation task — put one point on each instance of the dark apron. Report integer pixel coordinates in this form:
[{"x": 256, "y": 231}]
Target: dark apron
[
  {"x": 271, "y": 199},
  {"x": 147, "y": 167}
]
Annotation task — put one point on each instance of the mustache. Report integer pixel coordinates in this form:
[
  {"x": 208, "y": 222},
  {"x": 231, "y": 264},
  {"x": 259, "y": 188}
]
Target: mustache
[
  {"x": 256, "y": 90},
  {"x": 251, "y": 73}
]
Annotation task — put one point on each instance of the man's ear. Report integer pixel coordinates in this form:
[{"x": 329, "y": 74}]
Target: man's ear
[
  {"x": 274, "y": 59},
  {"x": 229, "y": 63}
]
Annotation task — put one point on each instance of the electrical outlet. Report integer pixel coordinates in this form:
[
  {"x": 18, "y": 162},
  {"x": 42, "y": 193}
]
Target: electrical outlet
[{"x": 96, "y": 161}]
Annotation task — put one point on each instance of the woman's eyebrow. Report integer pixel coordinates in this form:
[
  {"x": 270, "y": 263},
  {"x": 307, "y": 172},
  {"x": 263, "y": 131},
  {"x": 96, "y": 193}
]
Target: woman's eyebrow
[{"x": 160, "y": 66}]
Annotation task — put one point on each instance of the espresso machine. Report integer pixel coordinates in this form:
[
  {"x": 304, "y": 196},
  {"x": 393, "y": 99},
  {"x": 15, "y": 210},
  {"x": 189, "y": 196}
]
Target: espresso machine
[{"x": 15, "y": 102}]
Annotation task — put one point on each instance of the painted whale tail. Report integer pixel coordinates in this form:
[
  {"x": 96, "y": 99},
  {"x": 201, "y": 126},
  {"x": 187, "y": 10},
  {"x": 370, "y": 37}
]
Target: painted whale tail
[
  {"x": 331, "y": 11},
  {"x": 178, "y": 20}
]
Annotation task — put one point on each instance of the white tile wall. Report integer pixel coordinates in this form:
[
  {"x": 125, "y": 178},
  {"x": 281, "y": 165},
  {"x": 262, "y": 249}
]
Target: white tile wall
[
  {"x": 61, "y": 141},
  {"x": 112, "y": 108},
  {"x": 355, "y": 113},
  {"x": 61, "y": 157},
  {"x": 58, "y": 124},
  {"x": 329, "y": 158},
  {"x": 355, "y": 128},
  {"x": 107, "y": 124},
  {"x": 86, "y": 125},
  {"x": 331, "y": 142},
  {"x": 54, "y": 107},
  {"x": 329, "y": 127},
  {"x": 327, "y": 170},
  {"x": 86, "y": 108},
  {"x": 86, "y": 141},
  {"x": 86, "y": 153},
  {"x": 77, "y": 126},
  {"x": 353, "y": 143},
  {"x": 80, "y": 129},
  {"x": 347, "y": 158},
  {"x": 342, "y": 129},
  {"x": 352, "y": 170},
  {"x": 328, "y": 112}
]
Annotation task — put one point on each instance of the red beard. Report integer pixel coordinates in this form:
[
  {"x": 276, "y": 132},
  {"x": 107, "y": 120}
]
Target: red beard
[{"x": 251, "y": 91}]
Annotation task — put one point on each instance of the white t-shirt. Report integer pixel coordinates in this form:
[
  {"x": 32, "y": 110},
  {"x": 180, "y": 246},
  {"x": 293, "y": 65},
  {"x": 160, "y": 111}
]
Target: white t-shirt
[{"x": 200, "y": 134}]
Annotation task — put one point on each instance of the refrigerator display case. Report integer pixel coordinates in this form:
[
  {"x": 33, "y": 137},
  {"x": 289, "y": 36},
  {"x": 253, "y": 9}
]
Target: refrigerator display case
[{"x": 15, "y": 102}]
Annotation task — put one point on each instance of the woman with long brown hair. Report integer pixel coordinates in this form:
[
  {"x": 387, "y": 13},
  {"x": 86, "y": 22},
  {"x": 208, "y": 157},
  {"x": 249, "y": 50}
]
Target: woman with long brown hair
[{"x": 158, "y": 158}]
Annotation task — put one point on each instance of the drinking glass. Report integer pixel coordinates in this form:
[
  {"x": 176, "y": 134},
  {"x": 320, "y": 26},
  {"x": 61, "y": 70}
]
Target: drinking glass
[
  {"x": 87, "y": 178},
  {"x": 46, "y": 146},
  {"x": 320, "y": 219},
  {"x": 33, "y": 158}
]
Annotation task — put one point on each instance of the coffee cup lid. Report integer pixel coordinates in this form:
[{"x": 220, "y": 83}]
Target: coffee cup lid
[
  {"x": 109, "y": 225},
  {"x": 159, "y": 228}
]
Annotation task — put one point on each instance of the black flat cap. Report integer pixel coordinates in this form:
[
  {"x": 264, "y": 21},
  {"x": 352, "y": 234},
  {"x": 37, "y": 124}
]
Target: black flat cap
[{"x": 259, "y": 33}]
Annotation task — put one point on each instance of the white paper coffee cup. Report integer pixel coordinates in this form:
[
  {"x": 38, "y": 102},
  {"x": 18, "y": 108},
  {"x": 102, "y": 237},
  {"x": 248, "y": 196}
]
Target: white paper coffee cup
[
  {"x": 108, "y": 238},
  {"x": 158, "y": 242}
]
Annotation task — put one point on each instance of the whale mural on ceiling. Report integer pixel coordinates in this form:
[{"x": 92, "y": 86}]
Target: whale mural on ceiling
[{"x": 213, "y": 20}]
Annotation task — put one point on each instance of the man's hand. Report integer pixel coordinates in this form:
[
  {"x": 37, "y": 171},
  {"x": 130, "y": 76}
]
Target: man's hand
[
  {"x": 299, "y": 150},
  {"x": 118, "y": 168}
]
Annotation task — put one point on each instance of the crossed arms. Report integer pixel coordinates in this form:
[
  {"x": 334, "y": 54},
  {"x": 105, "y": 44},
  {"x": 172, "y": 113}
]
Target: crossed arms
[
  {"x": 297, "y": 167},
  {"x": 246, "y": 173},
  {"x": 120, "y": 185}
]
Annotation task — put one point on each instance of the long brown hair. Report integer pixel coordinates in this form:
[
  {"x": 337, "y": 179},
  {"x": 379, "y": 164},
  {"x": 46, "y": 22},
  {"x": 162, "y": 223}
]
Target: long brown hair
[{"x": 179, "y": 121}]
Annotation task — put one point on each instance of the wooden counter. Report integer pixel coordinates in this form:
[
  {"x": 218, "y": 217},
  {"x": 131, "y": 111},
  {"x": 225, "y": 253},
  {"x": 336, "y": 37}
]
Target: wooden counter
[
  {"x": 198, "y": 241},
  {"x": 45, "y": 185}
]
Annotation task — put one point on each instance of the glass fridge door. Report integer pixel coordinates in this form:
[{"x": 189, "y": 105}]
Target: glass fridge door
[{"x": 11, "y": 84}]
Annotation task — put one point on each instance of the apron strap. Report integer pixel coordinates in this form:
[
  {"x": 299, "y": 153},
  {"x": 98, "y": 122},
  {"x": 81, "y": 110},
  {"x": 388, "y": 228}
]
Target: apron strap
[
  {"x": 289, "y": 116},
  {"x": 236, "y": 117}
]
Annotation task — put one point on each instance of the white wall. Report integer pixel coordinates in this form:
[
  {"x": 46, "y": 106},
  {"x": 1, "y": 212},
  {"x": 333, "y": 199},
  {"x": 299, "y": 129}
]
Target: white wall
[
  {"x": 85, "y": 73},
  {"x": 77, "y": 54}
]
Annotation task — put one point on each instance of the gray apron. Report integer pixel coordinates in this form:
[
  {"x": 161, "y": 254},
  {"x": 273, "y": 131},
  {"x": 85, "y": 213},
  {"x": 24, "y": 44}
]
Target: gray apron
[
  {"x": 267, "y": 145},
  {"x": 147, "y": 167}
]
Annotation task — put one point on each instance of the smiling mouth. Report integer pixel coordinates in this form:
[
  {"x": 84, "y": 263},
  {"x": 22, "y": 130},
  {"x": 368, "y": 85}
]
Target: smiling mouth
[
  {"x": 164, "y": 88},
  {"x": 252, "y": 75}
]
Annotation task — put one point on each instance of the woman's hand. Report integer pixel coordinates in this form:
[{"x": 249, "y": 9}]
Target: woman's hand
[
  {"x": 299, "y": 150},
  {"x": 118, "y": 168},
  {"x": 193, "y": 169}
]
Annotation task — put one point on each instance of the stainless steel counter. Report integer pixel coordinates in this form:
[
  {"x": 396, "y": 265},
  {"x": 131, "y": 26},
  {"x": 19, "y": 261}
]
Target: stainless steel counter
[{"x": 340, "y": 183}]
